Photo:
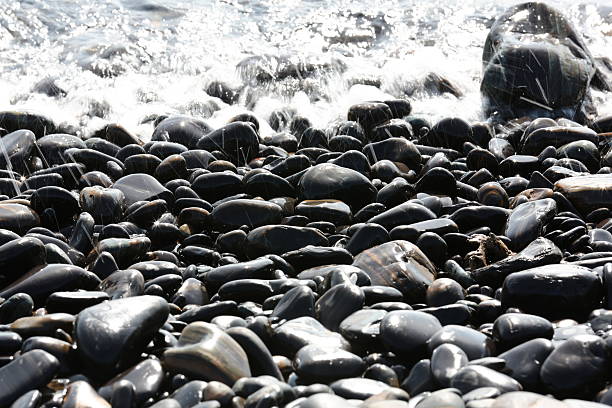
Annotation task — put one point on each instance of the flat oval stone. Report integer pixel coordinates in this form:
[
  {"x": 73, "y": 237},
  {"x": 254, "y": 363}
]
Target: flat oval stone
[
  {"x": 395, "y": 149},
  {"x": 399, "y": 264},
  {"x": 261, "y": 361},
  {"x": 52, "y": 278},
  {"x": 556, "y": 136},
  {"x": 324, "y": 364},
  {"x": 329, "y": 181},
  {"x": 334, "y": 211},
  {"x": 27, "y": 372},
  {"x": 527, "y": 221},
  {"x": 112, "y": 334},
  {"x": 363, "y": 326},
  {"x": 206, "y": 352},
  {"x": 472, "y": 377},
  {"x": 512, "y": 329},
  {"x": 125, "y": 251},
  {"x": 297, "y": 333},
  {"x": 406, "y": 332},
  {"x": 587, "y": 193},
  {"x": 18, "y": 218},
  {"x": 252, "y": 213},
  {"x": 358, "y": 388},
  {"x": 406, "y": 213},
  {"x": 553, "y": 291},
  {"x": 474, "y": 343},
  {"x": 278, "y": 239},
  {"x": 577, "y": 367},
  {"x": 297, "y": 302},
  {"x": 142, "y": 187}
]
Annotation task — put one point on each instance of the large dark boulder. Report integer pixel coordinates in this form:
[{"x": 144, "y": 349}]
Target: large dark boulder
[{"x": 536, "y": 64}]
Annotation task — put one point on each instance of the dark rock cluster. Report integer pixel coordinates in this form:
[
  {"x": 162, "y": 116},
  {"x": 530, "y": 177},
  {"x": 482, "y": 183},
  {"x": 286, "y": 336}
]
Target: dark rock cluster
[{"x": 383, "y": 262}]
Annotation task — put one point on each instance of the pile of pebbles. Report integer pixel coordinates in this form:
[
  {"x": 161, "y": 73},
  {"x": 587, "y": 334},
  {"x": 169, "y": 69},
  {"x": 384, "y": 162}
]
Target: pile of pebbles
[{"x": 384, "y": 262}]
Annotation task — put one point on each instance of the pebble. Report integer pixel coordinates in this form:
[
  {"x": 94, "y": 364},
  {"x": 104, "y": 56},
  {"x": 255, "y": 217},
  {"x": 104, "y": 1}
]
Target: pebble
[{"x": 378, "y": 261}]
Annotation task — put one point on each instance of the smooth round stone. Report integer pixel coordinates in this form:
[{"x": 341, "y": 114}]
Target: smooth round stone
[
  {"x": 584, "y": 151},
  {"x": 469, "y": 218},
  {"x": 402, "y": 214},
  {"x": 437, "y": 181},
  {"x": 27, "y": 372},
  {"x": 399, "y": 264},
  {"x": 10, "y": 342},
  {"x": 474, "y": 343},
  {"x": 206, "y": 352},
  {"x": 278, "y": 239},
  {"x": 19, "y": 255},
  {"x": 53, "y": 146},
  {"x": 450, "y": 133},
  {"x": 79, "y": 393},
  {"x": 525, "y": 361},
  {"x": 110, "y": 335},
  {"x": 406, "y": 332},
  {"x": 52, "y": 278},
  {"x": 527, "y": 221},
  {"x": 556, "y": 136},
  {"x": 294, "y": 334},
  {"x": 365, "y": 237},
  {"x": 363, "y": 326},
  {"x": 334, "y": 211},
  {"x": 444, "y": 291},
  {"x": 216, "y": 186},
  {"x": 105, "y": 205},
  {"x": 297, "y": 302},
  {"x": 18, "y": 218},
  {"x": 493, "y": 194},
  {"x": 63, "y": 202},
  {"x": 358, "y": 388},
  {"x": 395, "y": 149},
  {"x": 446, "y": 360},
  {"x": 433, "y": 246},
  {"x": 369, "y": 115},
  {"x": 472, "y": 377},
  {"x": 15, "y": 307},
  {"x": 238, "y": 140},
  {"x": 337, "y": 303},
  {"x": 324, "y": 364},
  {"x": 16, "y": 148},
  {"x": 587, "y": 193},
  {"x": 181, "y": 129},
  {"x": 123, "y": 284},
  {"x": 125, "y": 251},
  {"x": 329, "y": 181},
  {"x": 553, "y": 291},
  {"x": 577, "y": 367},
  {"x": 512, "y": 329},
  {"x": 142, "y": 187},
  {"x": 252, "y": 213},
  {"x": 269, "y": 186}
]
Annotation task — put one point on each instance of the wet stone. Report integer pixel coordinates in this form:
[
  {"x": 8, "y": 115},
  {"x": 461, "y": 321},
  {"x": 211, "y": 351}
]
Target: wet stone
[
  {"x": 253, "y": 213},
  {"x": 205, "y": 352},
  {"x": 29, "y": 371},
  {"x": 110, "y": 335},
  {"x": 322, "y": 364},
  {"x": 398, "y": 264}
]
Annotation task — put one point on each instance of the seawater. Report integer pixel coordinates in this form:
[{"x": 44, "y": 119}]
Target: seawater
[{"x": 126, "y": 61}]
